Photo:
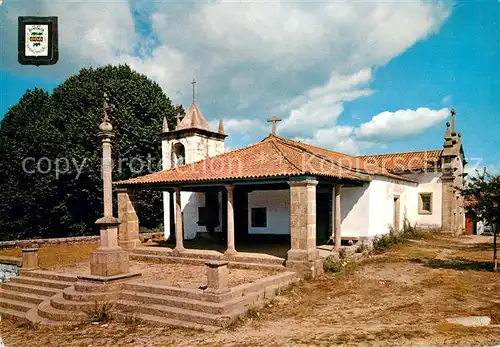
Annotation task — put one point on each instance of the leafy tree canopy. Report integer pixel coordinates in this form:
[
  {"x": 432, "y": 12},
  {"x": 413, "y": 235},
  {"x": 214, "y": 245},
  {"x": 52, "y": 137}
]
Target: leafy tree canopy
[
  {"x": 482, "y": 196},
  {"x": 46, "y": 139}
]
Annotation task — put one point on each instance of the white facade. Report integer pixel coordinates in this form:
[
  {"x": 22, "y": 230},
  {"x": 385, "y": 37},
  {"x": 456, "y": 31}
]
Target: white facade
[
  {"x": 196, "y": 147},
  {"x": 428, "y": 182},
  {"x": 366, "y": 211},
  {"x": 277, "y": 204}
]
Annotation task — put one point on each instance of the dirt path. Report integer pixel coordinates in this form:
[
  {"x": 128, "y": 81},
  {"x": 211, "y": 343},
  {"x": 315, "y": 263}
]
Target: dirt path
[{"x": 399, "y": 298}]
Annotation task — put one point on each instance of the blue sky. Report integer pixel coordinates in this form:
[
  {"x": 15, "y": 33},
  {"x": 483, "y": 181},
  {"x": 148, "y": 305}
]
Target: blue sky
[{"x": 359, "y": 77}]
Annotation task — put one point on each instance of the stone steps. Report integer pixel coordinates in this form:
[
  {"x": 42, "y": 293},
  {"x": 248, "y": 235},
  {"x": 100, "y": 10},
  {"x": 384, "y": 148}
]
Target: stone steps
[
  {"x": 194, "y": 294},
  {"x": 188, "y": 304},
  {"x": 255, "y": 266},
  {"x": 41, "y": 282},
  {"x": 153, "y": 251},
  {"x": 60, "y": 303},
  {"x": 157, "y": 320},
  {"x": 174, "y": 313},
  {"x": 15, "y": 305},
  {"x": 50, "y": 275},
  {"x": 271, "y": 265},
  {"x": 21, "y": 296},
  {"x": 33, "y": 317},
  {"x": 74, "y": 295},
  {"x": 12, "y": 314},
  {"x": 21, "y": 287},
  {"x": 47, "y": 311}
]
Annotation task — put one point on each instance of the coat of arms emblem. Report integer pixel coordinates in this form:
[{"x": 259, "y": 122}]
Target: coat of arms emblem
[{"x": 37, "y": 40}]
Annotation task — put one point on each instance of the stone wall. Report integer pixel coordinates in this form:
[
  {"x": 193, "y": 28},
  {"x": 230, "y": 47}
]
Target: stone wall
[{"x": 70, "y": 240}]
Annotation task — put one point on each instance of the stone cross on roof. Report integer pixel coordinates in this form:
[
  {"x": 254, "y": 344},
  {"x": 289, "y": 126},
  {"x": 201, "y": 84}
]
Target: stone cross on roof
[
  {"x": 194, "y": 84},
  {"x": 274, "y": 120}
]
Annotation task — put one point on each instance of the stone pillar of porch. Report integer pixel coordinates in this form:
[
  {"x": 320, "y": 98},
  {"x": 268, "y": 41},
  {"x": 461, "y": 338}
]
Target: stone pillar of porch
[
  {"x": 231, "y": 249},
  {"x": 128, "y": 230},
  {"x": 303, "y": 256},
  {"x": 337, "y": 224},
  {"x": 179, "y": 237}
]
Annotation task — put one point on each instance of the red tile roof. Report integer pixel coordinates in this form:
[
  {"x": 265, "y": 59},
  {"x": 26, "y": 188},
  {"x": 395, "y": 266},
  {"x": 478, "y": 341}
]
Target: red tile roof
[
  {"x": 400, "y": 162},
  {"x": 273, "y": 157}
]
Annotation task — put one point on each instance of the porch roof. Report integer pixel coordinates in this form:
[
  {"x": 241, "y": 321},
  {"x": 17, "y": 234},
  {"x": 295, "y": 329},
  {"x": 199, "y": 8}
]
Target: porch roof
[{"x": 273, "y": 157}]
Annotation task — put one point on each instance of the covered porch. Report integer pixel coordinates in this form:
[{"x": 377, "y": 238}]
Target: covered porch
[
  {"x": 297, "y": 214},
  {"x": 237, "y": 200}
]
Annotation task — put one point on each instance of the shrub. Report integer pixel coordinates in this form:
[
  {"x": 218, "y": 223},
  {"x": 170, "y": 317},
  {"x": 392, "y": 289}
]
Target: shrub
[
  {"x": 362, "y": 248},
  {"x": 343, "y": 253},
  {"x": 409, "y": 231},
  {"x": 100, "y": 312},
  {"x": 331, "y": 264}
]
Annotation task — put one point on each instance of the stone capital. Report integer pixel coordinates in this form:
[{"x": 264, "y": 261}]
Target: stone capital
[
  {"x": 107, "y": 221},
  {"x": 303, "y": 183}
]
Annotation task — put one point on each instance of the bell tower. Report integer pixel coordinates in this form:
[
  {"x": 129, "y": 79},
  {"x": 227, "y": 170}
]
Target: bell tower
[
  {"x": 452, "y": 164},
  {"x": 191, "y": 140}
]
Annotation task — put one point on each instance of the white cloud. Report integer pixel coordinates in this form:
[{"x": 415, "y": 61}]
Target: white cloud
[
  {"x": 382, "y": 129},
  {"x": 388, "y": 126},
  {"x": 338, "y": 138},
  {"x": 320, "y": 107},
  {"x": 246, "y": 55}
]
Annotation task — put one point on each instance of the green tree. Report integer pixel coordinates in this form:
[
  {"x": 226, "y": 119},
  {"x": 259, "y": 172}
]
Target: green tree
[
  {"x": 62, "y": 127},
  {"x": 482, "y": 194}
]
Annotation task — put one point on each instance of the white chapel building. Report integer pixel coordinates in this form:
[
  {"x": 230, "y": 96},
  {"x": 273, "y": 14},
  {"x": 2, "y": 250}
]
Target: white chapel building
[{"x": 279, "y": 186}]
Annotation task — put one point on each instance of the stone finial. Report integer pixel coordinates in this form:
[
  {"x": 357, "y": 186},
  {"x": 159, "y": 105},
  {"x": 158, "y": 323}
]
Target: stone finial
[
  {"x": 221, "y": 127},
  {"x": 178, "y": 117},
  {"x": 105, "y": 127},
  {"x": 165, "y": 125},
  {"x": 447, "y": 136},
  {"x": 453, "y": 113}
]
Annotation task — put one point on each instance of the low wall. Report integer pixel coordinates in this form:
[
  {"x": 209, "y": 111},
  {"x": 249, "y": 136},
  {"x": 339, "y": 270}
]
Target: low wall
[
  {"x": 9, "y": 267},
  {"x": 63, "y": 240}
]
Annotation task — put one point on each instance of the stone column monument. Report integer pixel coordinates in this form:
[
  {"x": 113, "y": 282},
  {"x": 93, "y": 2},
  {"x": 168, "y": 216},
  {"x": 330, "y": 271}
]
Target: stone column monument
[{"x": 109, "y": 259}]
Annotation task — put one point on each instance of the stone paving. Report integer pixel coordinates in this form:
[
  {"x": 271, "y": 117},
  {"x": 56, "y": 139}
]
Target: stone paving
[{"x": 181, "y": 275}]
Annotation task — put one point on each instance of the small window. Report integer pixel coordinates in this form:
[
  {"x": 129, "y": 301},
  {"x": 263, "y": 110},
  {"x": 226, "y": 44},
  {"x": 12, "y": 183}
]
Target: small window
[
  {"x": 425, "y": 203},
  {"x": 259, "y": 217}
]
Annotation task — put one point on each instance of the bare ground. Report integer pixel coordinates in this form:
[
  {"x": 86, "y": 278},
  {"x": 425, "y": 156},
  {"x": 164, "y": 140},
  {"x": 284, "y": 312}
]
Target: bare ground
[{"x": 398, "y": 298}]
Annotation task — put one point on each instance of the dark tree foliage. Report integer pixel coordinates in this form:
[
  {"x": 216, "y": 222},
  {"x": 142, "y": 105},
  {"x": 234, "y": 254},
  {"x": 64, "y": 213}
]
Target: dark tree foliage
[
  {"x": 482, "y": 194},
  {"x": 38, "y": 201}
]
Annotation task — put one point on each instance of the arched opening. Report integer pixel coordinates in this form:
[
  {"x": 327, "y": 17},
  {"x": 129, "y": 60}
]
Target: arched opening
[{"x": 179, "y": 154}]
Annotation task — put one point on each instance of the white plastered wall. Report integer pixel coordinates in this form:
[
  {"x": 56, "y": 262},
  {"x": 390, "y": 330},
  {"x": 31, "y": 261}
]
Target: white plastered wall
[
  {"x": 428, "y": 182},
  {"x": 277, "y": 204},
  {"x": 354, "y": 208},
  {"x": 196, "y": 148},
  {"x": 383, "y": 190}
]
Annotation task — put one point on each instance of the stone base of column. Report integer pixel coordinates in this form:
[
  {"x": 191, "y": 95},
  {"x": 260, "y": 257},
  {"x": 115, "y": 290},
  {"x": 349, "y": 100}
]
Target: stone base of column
[
  {"x": 130, "y": 244},
  {"x": 307, "y": 269},
  {"x": 178, "y": 250},
  {"x": 303, "y": 254},
  {"x": 109, "y": 262},
  {"x": 230, "y": 253}
]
